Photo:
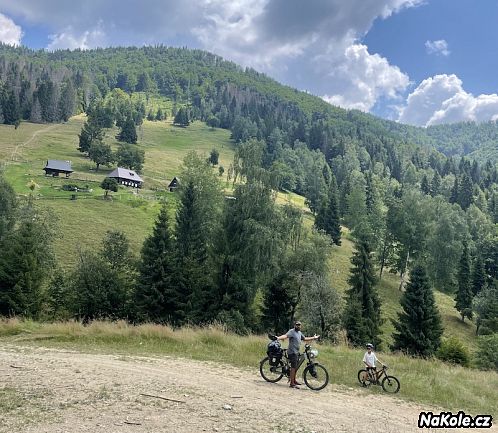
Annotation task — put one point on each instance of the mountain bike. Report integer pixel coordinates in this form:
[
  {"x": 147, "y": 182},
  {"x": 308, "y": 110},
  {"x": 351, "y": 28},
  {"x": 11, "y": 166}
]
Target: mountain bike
[
  {"x": 389, "y": 384},
  {"x": 315, "y": 375}
]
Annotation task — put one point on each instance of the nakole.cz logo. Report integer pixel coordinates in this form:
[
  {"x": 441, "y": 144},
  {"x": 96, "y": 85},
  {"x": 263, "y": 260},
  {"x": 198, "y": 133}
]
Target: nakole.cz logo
[{"x": 449, "y": 420}]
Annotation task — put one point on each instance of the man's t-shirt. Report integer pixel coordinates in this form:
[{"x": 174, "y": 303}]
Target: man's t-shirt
[
  {"x": 370, "y": 358},
  {"x": 295, "y": 338}
]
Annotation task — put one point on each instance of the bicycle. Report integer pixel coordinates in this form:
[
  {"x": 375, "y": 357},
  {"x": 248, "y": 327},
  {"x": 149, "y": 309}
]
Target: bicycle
[
  {"x": 315, "y": 375},
  {"x": 389, "y": 384}
]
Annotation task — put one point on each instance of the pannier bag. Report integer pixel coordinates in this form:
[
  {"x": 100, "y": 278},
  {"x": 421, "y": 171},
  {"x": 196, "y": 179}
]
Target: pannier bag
[{"x": 274, "y": 352}]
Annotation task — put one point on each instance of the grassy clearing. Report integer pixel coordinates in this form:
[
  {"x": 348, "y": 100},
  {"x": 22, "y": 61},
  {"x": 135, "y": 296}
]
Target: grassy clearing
[
  {"x": 83, "y": 222},
  {"x": 427, "y": 382}
]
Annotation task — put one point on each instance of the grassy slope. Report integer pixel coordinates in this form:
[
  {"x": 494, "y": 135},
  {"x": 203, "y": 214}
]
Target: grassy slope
[
  {"x": 82, "y": 223},
  {"x": 427, "y": 382}
]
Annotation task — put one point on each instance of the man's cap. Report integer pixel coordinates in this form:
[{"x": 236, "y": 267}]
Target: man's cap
[
  {"x": 370, "y": 345},
  {"x": 297, "y": 323}
]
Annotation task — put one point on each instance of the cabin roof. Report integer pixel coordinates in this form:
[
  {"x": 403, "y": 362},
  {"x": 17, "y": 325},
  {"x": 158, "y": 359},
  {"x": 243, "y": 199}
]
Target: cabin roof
[{"x": 125, "y": 173}]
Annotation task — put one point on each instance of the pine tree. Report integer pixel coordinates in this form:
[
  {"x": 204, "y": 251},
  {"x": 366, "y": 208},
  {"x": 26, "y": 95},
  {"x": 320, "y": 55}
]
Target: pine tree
[
  {"x": 193, "y": 277},
  {"x": 154, "y": 296},
  {"x": 128, "y": 132},
  {"x": 478, "y": 275},
  {"x": 464, "y": 290},
  {"x": 67, "y": 100},
  {"x": 182, "y": 117},
  {"x": 362, "y": 317},
  {"x": 327, "y": 218},
  {"x": 465, "y": 192},
  {"x": 418, "y": 328},
  {"x": 435, "y": 184},
  {"x": 278, "y": 305}
]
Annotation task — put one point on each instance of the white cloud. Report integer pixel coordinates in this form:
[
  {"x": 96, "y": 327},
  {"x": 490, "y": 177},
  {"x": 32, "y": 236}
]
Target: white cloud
[
  {"x": 10, "y": 32},
  {"x": 439, "y": 47},
  {"x": 442, "y": 99},
  {"x": 67, "y": 39},
  {"x": 363, "y": 77}
]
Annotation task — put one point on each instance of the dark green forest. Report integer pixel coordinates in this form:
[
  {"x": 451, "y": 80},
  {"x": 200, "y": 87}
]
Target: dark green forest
[{"x": 422, "y": 203}]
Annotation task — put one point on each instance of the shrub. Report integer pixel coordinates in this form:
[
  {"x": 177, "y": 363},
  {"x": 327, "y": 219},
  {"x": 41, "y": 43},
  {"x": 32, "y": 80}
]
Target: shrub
[
  {"x": 487, "y": 352},
  {"x": 454, "y": 351}
]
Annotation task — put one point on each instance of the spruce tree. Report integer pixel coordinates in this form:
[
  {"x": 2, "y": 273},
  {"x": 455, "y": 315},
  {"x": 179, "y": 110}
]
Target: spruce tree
[
  {"x": 435, "y": 184},
  {"x": 464, "y": 290},
  {"x": 155, "y": 298},
  {"x": 128, "y": 132},
  {"x": 455, "y": 191},
  {"x": 418, "y": 328},
  {"x": 362, "y": 315},
  {"x": 327, "y": 218},
  {"x": 465, "y": 192},
  {"x": 194, "y": 281},
  {"x": 478, "y": 275}
]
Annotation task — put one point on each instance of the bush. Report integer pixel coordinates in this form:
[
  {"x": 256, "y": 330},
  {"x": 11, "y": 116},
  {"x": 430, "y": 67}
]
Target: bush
[
  {"x": 453, "y": 350},
  {"x": 69, "y": 187},
  {"x": 487, "y": 352}
]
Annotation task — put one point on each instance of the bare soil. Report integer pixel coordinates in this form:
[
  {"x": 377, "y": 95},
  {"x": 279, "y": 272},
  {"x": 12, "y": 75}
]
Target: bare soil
[{"x": 54, "y": 391}]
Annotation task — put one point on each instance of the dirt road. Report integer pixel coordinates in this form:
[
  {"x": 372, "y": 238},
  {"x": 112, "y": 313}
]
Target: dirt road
[{"x": 53, "y": 391}]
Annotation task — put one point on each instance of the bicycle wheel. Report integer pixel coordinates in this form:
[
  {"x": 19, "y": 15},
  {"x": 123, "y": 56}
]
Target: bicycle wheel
[
  {"x": 316, "y": 376},
  {"x": 271, "y": 373},
  {"x": 390, "y": 384},
  {"x": 364, "y": 378}
]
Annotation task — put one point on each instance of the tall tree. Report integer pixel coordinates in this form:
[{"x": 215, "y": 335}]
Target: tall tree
[
  {"x": 128, "y": 132},
  {"x": 362, "y": 295},
  {"x": 90, "y": 132},
  {"x": 327, "y": 218},
  {"x": 478, "y": 275},
  {"x": 464, "y": 290},
  {"x": 154, "y": 296},
  {"x": 418, "y": 328}
]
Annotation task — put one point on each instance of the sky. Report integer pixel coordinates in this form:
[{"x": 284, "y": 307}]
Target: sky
[{"x": 421, "y": 62}]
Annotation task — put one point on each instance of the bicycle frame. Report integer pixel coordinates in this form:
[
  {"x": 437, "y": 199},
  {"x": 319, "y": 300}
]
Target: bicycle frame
[{"x": 302, "y": 357}]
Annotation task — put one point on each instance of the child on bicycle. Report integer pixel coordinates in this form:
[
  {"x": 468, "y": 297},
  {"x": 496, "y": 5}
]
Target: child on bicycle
[{"x": 369, "y": 360}]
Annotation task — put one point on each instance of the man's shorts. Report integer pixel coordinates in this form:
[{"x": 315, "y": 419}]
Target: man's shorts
[{"x": 293, "y": 359}]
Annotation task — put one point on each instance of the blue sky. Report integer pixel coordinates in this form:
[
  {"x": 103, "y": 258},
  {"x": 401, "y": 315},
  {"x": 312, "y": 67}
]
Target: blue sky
[{"x": 421, "y": 62}]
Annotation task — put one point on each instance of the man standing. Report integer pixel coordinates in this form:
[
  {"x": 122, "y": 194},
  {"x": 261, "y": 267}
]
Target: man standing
[{"x": 295, "y": 337}]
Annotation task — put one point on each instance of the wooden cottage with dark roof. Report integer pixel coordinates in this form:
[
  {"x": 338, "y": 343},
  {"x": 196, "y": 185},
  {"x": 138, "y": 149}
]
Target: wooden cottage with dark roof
[
  {"x": 54, "y": 167},
  {"x": 127, "y": 177},
  {"x": 174, "y": 184}
]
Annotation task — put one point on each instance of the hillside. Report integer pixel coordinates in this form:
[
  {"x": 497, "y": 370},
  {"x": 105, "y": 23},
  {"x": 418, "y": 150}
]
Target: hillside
[{"x": 82, "y": 223}]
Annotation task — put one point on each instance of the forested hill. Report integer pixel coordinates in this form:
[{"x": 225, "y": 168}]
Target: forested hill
[{"x": 46, "y": 86}]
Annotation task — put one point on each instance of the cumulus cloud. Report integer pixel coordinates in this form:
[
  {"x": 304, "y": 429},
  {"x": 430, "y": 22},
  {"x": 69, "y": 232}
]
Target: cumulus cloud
[
  {"x": 10, "y": 32},
  {"x": 442, "y": 99},
  {"x": 308, "y": 47},
  {"x": 362, "y": 78},
  {"x": 439, "y": 47}
]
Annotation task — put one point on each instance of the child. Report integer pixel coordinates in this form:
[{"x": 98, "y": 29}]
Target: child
[{"x": 369, "y": 360}]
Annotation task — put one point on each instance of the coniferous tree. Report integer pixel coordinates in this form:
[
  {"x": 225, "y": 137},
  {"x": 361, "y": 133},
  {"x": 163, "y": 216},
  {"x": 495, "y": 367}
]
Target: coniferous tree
[
  {"x": 418, "y": 328},
  {"x": 278, "y": 304},
  {"x": 155, "y": 298},
  {"x": 478, "y": 275},
  {"x": 424, "y": 186},
  {"x": 362, "y": 315},
  {"x": 182, "y": 117},
  {"x": 435, "y": 184},
  {"x": 67, "y": 100},
  {"x": 465, "y": 192},
  {"x": 327, "y": 218},
  {"x": 128, "y": 132},
  {"x": 464, "y": 290},
  {"x": 11, "y": 111}
]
